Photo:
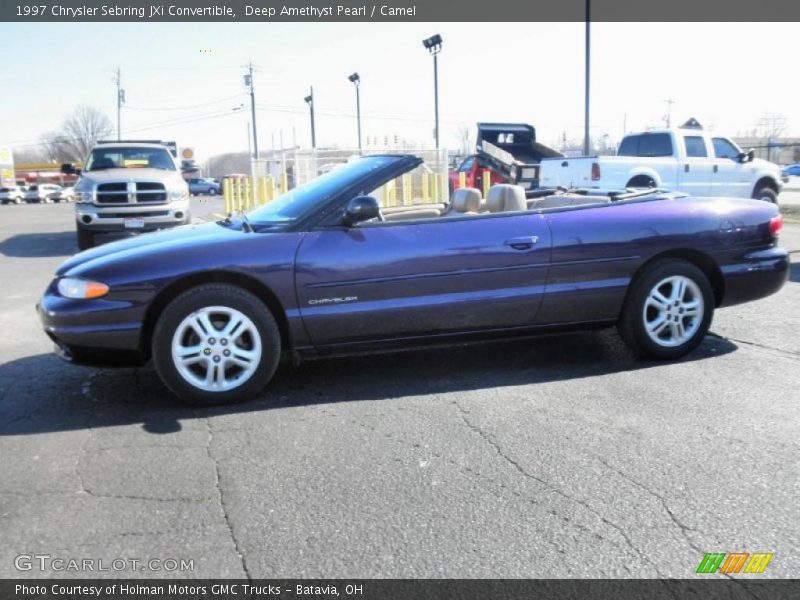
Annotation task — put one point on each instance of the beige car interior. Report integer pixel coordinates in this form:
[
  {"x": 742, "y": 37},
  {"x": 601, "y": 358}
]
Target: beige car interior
[{"x": 502, "y": 197}]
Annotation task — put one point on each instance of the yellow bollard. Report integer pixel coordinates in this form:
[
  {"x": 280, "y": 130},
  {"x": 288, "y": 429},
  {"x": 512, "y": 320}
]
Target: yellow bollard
[
  {"x": 270, "y": 188},
  {"x": 435, "y": 186},
  {"x": 262, "y": 190},
  {"x": 284, "y": 183},
  {"x": 487, "y": 182},
  {"x": 425, "y": 197},
  {"x": 407, "y": 196},
  {"x": 462, "y": 179},
  {"x": 226, "y": 195},
  {"x": 391, "y": 193},
  {"x": 248, "y": 198},
  {"x": 238, "y": 195}
]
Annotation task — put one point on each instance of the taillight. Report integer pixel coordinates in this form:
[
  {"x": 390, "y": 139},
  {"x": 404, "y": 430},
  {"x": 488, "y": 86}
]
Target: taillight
[
  {"x": 595, "y": 172},
  {"x": 775, "y": 225}
]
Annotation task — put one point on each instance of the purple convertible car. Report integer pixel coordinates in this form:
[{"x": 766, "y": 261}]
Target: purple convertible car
[{"x": 324, "y": 269}]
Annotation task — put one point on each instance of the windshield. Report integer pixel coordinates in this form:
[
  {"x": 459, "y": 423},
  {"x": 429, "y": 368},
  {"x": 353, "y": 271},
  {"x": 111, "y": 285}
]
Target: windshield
[
  {"x": 130, "y": 158},
  {"x": 299, "y": 201}
]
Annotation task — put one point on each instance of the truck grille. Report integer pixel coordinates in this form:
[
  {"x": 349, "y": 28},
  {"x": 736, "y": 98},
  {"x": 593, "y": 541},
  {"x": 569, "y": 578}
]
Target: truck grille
[{"x": 140, "y": 192}]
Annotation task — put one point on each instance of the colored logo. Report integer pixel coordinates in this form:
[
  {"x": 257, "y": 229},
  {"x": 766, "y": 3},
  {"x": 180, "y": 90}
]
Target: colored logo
[{"x": 734, "y": 562}]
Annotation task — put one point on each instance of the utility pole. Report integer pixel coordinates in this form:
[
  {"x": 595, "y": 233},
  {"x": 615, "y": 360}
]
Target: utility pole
[
  {"x": 120, "y": 99},
  {"x": 248, "y": 81},
  {"x": 586, "y": 141},
  {"x": 669, "y": 102}
]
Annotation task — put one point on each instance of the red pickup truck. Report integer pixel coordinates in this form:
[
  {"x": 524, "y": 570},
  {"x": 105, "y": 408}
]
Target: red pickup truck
[{"x": 507, "y": 153}]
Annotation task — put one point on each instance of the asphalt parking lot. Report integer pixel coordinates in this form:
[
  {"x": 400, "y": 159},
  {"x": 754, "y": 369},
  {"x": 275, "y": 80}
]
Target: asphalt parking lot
[{"x": 554, "y": 457}]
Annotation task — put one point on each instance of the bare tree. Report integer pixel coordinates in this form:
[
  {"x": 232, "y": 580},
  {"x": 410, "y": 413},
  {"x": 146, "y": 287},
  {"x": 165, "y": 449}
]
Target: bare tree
[
  {"x": 30, "y": 155},
  {"x": 78, "y": 134},
  {"x": 463, "y": 137},
  {"x": 772, "y": 125}
]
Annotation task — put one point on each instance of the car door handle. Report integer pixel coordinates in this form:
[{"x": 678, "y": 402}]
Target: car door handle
[
  {"x": 522, "y": 243},
  {"x": 716, "y": 168}
]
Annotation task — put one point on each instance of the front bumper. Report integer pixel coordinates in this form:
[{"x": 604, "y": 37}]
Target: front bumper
[
  {"x": 96, "y": 332},
  {"x": 759, "y": 274},
  {"x": 92, "y": 217}
]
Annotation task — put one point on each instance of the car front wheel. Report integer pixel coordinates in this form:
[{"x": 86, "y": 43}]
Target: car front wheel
[
  {"x": 668, "y": 310},
  {"x": 216, "y": 344}
]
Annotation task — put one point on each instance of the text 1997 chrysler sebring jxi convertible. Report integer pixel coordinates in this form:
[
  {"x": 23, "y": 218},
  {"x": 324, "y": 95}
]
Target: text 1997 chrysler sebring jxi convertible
[{"x": 323, "y": 269}]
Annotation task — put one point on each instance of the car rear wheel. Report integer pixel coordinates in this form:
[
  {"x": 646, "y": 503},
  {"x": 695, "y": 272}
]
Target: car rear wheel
[
  {"x": 668, "y": 310},
  {"x": 216, "y": 344}
]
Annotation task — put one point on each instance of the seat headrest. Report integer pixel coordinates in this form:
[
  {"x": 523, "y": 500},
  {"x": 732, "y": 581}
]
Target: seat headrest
[
  {"x": 504, "y": 197},
  {"x": 466, "y": 200}
]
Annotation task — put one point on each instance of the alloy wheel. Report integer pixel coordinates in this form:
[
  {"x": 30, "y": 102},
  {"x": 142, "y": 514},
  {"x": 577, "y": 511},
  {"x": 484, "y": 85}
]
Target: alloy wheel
[
  {"x": 673, "y": 311},
  {"x": 216, "y": 348}
]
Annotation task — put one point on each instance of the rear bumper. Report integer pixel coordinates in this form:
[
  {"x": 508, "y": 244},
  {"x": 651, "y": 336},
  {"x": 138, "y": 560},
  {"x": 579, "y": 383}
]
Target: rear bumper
[{"x": 760, "y": 274}]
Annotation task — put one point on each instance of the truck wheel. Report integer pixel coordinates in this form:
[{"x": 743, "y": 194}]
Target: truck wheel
[
  {"x": 767, "y": 194},
  {"x": 668, "y": 310},
  {"x": 85, "y": 239},
  {"x": 641, "y": 182},
  {"x": 216, "y": 344}
]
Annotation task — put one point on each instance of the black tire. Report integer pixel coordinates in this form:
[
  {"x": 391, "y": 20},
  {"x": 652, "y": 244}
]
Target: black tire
[
  {"x": 767, "y": 194},
  {"x": 641, "y": 182},
  {"x": 213, "y": 191},
  {"x": 632, "y": 323},
  {"x": 85, "y": 239},
  {"x": 203, "y": 297}
]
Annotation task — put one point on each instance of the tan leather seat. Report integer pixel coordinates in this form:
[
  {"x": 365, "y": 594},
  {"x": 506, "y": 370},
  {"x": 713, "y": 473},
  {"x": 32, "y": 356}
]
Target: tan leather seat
[
  {"x": 465, "y": 201},
  {"x": 561, "y": 200},
  {"x": 407, "y": 215},
  {"x": 504, "y": 197}
]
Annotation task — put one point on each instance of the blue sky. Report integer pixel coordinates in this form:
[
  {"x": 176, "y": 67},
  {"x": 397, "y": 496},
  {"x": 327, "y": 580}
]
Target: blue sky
[{"x": 183, "y": 81}]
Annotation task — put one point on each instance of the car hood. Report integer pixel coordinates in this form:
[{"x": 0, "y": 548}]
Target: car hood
[
  {"x": 105, "y": 175},
  {"x": 145, "y": 247},
  {"x": 764, "y": 165}
]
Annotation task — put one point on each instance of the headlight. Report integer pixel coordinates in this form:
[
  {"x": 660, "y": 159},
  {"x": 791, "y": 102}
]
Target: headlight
[
  {"x": 72, "y": 287},
  {"x": 177, "y": 194},
  {"x": 83, "y": 197}
]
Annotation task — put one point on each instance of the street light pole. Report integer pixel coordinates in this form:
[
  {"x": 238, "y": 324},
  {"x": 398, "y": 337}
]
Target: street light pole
[
  {"x": 356, "y": 81},
  {"x": 434, "y": 45},
  {"x": 310, "y": 101},
  {"x": 586, "y": 141}
]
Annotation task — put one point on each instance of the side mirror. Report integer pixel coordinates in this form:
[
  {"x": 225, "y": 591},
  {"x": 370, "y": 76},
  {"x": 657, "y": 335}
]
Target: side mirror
[
  {"x": 68, "y": 169},
  {"x": 751, "y": 154},
  {"x": 359, "y": 209}
]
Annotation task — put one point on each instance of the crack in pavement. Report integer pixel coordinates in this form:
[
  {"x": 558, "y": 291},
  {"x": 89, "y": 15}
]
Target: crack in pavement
[
  {"x": 785, "y": 353},
  {"x": 221, "y": 498},
  {"x": 682, "y": 526},
  {"x": 500, "y": 452},
  {"x": 470, "y": 473}
]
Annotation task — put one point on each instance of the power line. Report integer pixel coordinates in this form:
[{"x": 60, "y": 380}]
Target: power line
[{"x": 186, "y": 107}]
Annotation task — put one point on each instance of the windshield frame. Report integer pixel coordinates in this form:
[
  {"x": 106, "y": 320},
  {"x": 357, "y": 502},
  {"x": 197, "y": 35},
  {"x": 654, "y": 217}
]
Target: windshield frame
[{"x": 333, "y": 194}]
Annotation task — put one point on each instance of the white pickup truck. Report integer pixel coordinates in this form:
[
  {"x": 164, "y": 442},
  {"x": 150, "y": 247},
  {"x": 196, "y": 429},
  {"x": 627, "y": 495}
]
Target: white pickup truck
[{"x": 686, "y": 160}]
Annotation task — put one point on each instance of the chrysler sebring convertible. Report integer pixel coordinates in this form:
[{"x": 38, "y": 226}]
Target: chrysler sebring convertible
[{"x": 324, "y": 269}]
